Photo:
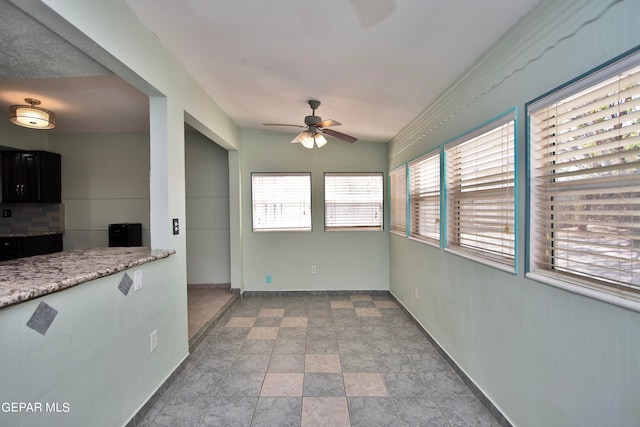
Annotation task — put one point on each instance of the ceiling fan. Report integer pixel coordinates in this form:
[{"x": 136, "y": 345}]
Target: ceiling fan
[{"x": 315, "y": 128}]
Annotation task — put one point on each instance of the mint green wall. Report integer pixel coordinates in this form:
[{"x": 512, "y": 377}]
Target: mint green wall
[
  {"x": 207, "y": 226},
  {"x": 105, "y": 180},
  {"x": 350, "y": 260},
  {"x": 96, "y": 354},
  {"x": 544, "y": 356}
]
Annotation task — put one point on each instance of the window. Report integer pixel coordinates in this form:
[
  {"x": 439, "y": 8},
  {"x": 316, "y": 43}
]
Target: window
[
  {"x": 281, "y": 201},
  {"x": 585, "y": 182},
  {"x": 398, "y": 183},
  {"x": 481, "y": 193},
  {"x": 424, "y": 176},
  {"x": 353, "y": 201}
]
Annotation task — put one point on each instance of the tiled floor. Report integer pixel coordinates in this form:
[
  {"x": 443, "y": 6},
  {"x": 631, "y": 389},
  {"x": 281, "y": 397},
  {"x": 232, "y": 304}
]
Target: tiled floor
[
  {"x": 353, "y": 360},
  {"x": 203, "y": 304}
]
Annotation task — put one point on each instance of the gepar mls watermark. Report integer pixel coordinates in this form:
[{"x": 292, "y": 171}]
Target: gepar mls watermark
[{"x": 35, "y": 407}]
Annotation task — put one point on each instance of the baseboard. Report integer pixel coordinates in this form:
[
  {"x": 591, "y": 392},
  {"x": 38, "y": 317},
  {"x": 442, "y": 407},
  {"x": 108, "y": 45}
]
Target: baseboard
[
  {"x": 311, "y": 293},
  {"x": 209, "y": 285}
]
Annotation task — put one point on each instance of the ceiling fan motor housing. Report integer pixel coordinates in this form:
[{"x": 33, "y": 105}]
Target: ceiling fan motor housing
[{"x": 312, "y": 120}]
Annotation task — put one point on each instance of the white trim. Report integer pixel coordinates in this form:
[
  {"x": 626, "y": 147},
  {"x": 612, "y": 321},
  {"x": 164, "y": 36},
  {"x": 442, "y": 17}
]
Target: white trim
[
  {"x": 426, "y": 242},
  {"x": 587, "y": 292}
]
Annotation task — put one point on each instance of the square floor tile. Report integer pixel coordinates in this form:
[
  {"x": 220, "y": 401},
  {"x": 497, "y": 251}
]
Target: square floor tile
[
  {"x": 368, "y": 312},
  {"x": 241, "y": 322},
  {"x": 364, "y": 304},
  {"x": 279, "y": 384},
  {"x": 292, "y": 333},
  {"x": 286, "y": 363},
  {"x": 327, "y": 363},
  {"x": 251, "y": 363},
  {"x": 341, "y": 304},
  {"x": 358, "y": 362},
  {"x": 319, "y": 384},
  {"x": 325, "y": 411},
  {"x": 230, "y": 411},
  {"x": 405, "y": 384},
  {"x": 241, "y": 384},
  {"x": 271, "y": 312},
  {"x": 257, "y": 347},
  {"x": 386, "y": 304},
  {"x": 263, "y": 333},
  {"x": 393, "y": 362},
  {"x": 364, "y": 384},
  {"x": 322, "y": 346},
  {"x": 360, "y": 297},
  {"x": 353, "y": 345},
  {"x": 293, "y": 322},
  {"x": 419, "y": 411},
  {"x": 268, "y": 321},
  {"x": 182, "y": 413},
  {"x": 278, "y": 411},
  {"x": 290, "y": 346},
  {"x": 372, "y": 411}
]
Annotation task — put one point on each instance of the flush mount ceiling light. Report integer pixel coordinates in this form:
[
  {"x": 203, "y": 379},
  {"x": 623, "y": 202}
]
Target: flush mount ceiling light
[{"x": 31, "y": 116}]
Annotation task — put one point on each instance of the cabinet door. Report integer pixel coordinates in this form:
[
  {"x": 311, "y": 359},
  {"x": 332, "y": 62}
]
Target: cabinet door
[
  {"x": 31, "y": 176},
  {"x": 10, "y": 248},
  {"x": 11, "y": 177},
  {"x": 30, "y": 171}
]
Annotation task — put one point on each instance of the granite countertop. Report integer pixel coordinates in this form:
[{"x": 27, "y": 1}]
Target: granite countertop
[
  {"x": 31, "y": 234},
  {"x": 27, "y": 278}
]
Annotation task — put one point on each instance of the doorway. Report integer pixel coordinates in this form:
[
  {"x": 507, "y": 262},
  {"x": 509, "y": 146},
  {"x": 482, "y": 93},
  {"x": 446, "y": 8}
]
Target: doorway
[{"x": 207, "y": 231}]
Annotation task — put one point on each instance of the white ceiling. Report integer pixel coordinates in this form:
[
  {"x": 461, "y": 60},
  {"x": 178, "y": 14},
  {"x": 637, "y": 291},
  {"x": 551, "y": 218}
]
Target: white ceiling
[{"x": 374, "y": 64}]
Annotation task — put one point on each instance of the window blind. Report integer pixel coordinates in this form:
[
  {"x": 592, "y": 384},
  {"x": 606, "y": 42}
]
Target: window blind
[
  {"x": 586, "y": 168},
  {"x": 281, "y": 202},
  {"x": 480, "y": 194},
  {"x": 398, "y": 178},
  {"x": 353, "y": 201},
  {"x": 424, "y": 184}
]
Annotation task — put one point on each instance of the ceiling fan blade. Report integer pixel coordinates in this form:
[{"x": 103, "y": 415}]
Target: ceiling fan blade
[
  {"x": 281, "y": 124},
  {"x": 327, "y": 123},
  {"x": 340, "y": 135}
]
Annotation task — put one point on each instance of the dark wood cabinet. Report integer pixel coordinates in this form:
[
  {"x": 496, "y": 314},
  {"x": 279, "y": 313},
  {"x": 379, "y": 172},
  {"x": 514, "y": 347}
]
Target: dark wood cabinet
[
  {"x": 23, "y": 246},
  {"x": 31, "y": 177}
]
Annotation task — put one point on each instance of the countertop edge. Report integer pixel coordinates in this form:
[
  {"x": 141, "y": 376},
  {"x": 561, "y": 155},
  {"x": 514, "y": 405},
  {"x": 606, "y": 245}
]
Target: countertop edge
[{"x": 32, "y": 291}]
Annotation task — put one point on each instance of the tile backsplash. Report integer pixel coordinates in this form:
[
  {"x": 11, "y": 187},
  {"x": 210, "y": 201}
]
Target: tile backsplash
[{"x": 32, "y": 218}]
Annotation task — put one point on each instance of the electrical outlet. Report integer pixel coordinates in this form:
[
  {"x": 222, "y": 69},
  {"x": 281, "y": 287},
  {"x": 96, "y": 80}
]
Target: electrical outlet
[
  {"x": 153, "y": 340},
  {"x": 314, "y": 270},
  {"x": 6, "y": 213},
  {"x": 415, "y": 290},
  {"x": 137, "y": 280},
  {"x": 268, "y": 279}
]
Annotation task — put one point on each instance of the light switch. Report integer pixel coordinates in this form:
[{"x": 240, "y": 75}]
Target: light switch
[{"x": 176, "y": 226}]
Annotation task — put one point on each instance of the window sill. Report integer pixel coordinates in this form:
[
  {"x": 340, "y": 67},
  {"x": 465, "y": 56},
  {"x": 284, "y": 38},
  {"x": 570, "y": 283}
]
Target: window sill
[
  {"x": 481, "y": 260},
  {"x": 426, "y": 242},
  {"x": 616, "y": 300}
]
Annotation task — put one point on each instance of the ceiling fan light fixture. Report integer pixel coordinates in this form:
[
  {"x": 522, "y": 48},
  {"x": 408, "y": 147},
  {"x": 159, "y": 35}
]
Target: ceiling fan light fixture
[
  {"x": 305, "y": 138},
  {"x": 320, "y": 140},
  {"x": 32, "y": 117}
]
